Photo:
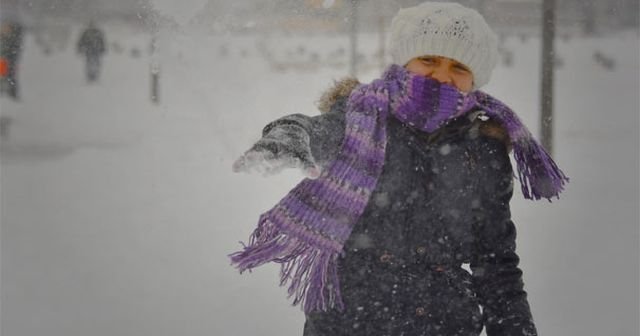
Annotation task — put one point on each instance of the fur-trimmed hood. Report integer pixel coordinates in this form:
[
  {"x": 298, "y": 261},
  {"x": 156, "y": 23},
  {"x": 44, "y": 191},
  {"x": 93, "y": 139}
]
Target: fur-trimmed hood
[{"x": 341, "y": 89}]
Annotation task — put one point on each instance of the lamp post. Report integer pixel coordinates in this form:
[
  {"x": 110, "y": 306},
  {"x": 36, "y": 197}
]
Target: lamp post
[
  {"x": 548, "y": 58},
  {"x": 353, "y": 37},
  {"x": 154, "y": 70}
]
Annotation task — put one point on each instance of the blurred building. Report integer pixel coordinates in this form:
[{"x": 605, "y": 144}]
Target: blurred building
[
  {"x": 35, "y": 14},
  {"x": 327, "y": 16}
]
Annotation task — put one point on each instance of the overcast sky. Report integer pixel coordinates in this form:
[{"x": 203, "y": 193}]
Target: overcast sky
[{"x": 181, "y": 11}]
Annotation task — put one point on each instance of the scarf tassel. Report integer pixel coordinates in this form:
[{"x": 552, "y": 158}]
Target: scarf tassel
[
  {"x": 310, "y": 271},
  {"x": 539, "y": 175}
]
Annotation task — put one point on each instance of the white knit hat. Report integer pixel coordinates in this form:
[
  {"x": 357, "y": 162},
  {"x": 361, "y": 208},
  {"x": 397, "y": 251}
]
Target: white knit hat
[{"x": 448, "y": 30}]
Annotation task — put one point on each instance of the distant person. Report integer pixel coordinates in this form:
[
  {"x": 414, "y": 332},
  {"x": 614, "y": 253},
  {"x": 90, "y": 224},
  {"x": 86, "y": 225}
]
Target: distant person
[
  {"x": 10, "y": 48},
  {"x": 410, "y": 179},
  {"x": 92, "y": 45}
]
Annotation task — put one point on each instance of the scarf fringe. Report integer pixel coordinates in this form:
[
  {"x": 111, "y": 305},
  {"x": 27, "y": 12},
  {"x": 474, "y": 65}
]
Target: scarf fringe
[
  {"x": 310, "y": 271},
  {"x": 539, "y": 175}
]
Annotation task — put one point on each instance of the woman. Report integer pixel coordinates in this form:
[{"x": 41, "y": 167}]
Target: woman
[{"x": 411, "y": 181}]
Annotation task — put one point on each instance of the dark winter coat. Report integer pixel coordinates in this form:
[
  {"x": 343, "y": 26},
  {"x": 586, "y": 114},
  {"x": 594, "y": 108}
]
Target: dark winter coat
[
  {"x": 441, "y": 201},
  {"x": 92, "y": 43},
  {"x": 11, "y": 41}
]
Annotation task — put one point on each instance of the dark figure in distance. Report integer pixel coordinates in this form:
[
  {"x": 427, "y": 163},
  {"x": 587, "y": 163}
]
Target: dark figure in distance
[
  {"x": 10, "y": 47},
  {"x": 92, "y": 45}
]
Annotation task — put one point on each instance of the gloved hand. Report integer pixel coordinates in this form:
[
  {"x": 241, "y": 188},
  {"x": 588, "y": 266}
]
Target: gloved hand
[{"x": 284, "y": 146}]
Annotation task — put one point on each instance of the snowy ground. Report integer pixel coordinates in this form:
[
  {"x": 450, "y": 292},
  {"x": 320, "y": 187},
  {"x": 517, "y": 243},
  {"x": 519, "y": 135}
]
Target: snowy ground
[{"x": 117, "y": 214}]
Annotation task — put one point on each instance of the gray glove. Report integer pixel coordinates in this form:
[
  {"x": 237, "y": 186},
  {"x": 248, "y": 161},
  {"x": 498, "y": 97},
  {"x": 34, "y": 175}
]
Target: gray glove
[{"x": 284, "y": 146}]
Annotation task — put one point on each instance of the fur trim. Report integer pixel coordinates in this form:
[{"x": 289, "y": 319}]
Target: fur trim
[
  {"x": 340, "y": 89},
  {"x": 493, "y": 129}
]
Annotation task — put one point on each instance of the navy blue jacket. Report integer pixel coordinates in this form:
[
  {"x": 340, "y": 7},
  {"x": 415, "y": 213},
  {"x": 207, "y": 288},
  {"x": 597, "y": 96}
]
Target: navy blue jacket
[{"x": 441, "y": 201}]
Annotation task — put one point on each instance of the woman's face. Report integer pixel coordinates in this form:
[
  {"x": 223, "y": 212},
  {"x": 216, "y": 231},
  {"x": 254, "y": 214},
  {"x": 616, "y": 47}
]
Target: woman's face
[{"x": 444, "y": 70}]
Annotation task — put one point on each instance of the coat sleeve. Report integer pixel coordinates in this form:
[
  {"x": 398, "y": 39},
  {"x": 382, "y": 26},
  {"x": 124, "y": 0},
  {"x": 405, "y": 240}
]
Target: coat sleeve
[
  {"x": 325, "y": 131},
  {"x": 496, "y": 275}
]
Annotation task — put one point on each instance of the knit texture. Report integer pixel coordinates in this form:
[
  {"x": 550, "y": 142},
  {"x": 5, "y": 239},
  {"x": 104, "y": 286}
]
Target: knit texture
[
  {"x": 307, "y": 229},
  {"x": 445, "y": 29}
]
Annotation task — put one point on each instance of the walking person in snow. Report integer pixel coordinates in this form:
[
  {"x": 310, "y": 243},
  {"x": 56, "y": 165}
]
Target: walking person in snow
[
  {"x": 11, "y": 36},
  {"x": 92, "y": 45},
  {"x": 410, "y": 179}
]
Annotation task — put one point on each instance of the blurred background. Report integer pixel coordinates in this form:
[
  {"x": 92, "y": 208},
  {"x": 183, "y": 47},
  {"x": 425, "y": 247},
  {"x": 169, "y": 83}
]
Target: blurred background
[{"x": 119, "y": 121}]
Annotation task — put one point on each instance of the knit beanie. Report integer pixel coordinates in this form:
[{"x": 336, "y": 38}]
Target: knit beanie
[{"x": 448, "y": 30}]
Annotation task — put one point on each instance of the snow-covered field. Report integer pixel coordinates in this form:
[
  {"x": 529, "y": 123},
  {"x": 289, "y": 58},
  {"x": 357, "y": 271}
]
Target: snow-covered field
[{"x": 118, "y": 214}]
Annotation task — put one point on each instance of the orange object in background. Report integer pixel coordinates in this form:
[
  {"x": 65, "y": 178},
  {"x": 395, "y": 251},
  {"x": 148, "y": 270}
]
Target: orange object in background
[{"x": 4, "y": 67}]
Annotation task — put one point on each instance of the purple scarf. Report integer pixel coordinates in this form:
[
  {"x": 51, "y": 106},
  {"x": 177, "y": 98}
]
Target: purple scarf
[{"x": 306, "y": 230}]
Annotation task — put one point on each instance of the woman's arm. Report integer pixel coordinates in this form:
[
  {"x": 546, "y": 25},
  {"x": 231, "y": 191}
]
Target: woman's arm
[
  {"x": 497, "y": 278},
  {"x": 325, "y": 131},
  {"x": 297, "y": 140}
]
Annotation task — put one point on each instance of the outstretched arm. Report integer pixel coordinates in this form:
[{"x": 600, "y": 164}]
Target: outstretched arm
[{"x": 296, "y": 141}]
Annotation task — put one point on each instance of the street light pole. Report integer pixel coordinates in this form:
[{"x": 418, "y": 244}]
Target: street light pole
[
  {"x": 154, "y": 70},
  {"x": 548, "y": 58},
  {"x": 353, "y": 37}
]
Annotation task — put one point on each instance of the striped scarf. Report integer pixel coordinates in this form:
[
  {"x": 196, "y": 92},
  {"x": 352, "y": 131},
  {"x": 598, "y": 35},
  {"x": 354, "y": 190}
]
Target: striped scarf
[{"x": 306, "y": 230}]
